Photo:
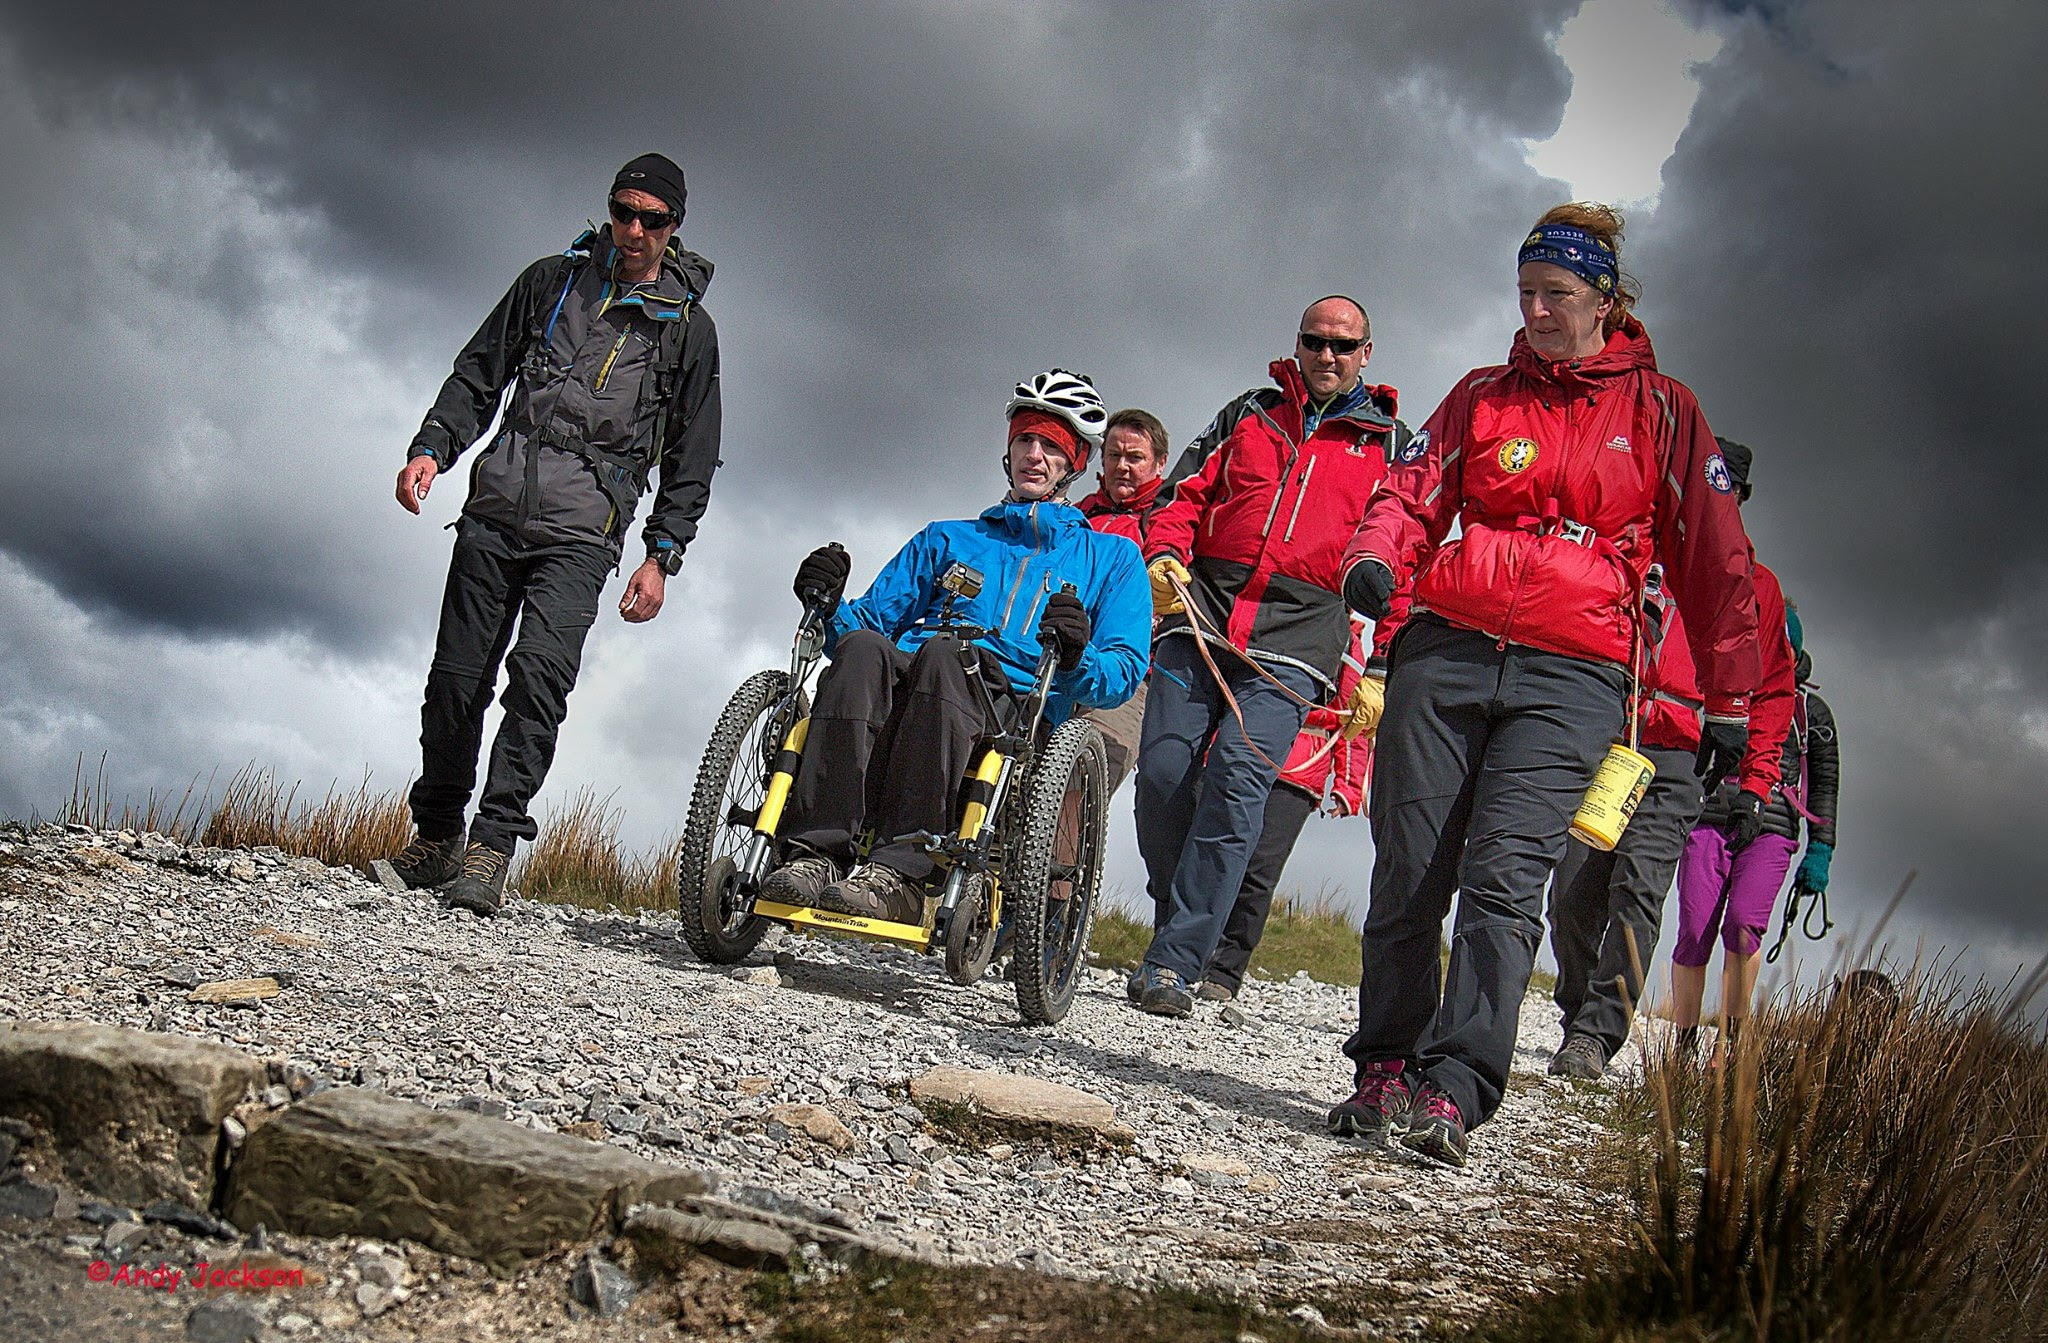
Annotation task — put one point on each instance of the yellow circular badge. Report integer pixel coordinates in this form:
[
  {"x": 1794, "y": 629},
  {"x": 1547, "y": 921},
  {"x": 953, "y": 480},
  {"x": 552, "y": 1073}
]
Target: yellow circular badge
[{"x": 1517, "y": 455}]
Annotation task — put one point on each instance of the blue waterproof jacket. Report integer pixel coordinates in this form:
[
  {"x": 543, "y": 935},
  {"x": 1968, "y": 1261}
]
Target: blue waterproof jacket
[{"x": 1024, "y": 553}]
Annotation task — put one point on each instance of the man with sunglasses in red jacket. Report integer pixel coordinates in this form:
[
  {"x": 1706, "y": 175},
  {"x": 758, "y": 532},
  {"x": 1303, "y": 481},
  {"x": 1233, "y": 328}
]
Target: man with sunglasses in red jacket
[{"x": 1264, "y": 503}]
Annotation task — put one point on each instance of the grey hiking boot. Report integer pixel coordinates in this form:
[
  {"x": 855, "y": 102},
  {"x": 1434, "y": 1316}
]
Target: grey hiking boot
[
  {"x": 1164, "y": 993},
  {"x": 875, "y": 891},
  {"x": 1581, "y": 1058},
  {"x": 422, "y": 864},
  {"x": 801, "y": 880},
  {"x": 481, "y": 887},
  {"x": 1215, "y": 991}
]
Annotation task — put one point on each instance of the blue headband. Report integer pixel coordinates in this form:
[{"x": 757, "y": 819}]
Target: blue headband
[{"x": 1576, "y": 250}]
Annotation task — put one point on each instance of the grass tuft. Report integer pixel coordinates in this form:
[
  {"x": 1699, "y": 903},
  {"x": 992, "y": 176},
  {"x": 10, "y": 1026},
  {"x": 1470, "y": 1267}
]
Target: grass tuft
[
  {"x": 343, "y": 829},
  {"x": 577, "y": 860},
  {"x": 1859, "y": 1165},
  {"x": 1311, "y": 933}
]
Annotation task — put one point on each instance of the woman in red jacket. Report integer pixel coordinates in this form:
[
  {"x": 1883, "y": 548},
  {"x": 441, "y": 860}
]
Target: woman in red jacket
[{"x": 1570, "y": 469}]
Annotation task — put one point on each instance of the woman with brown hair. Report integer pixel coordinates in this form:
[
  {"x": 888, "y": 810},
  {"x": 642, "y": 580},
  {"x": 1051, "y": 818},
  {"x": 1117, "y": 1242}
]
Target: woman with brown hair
[{"x": 1571, "y": 468}]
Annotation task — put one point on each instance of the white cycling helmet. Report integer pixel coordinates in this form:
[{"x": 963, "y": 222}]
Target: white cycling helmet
[{"x": 1070, "y": 396}]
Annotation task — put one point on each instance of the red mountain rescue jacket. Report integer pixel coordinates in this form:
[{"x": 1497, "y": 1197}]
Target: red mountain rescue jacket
[
  {"x": 1671, "y": 698},
  {"x": 1261, "y": 512},
  {"x": 1105, "y": 514},
  {"x": 1569, "y": 478},
  {"x": 1321, "y": 758}
]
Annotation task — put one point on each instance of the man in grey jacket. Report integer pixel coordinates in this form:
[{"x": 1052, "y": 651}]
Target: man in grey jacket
[{"x": 613, "y": 366}]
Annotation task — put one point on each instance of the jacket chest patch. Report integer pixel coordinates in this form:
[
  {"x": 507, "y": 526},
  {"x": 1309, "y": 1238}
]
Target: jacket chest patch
[{"x": 1517, "y": 455}]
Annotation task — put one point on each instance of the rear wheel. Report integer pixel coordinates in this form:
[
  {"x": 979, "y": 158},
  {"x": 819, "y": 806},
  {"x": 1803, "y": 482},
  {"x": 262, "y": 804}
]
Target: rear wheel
[
  {"x": 1054, "y": 870},
  {"x": 731, "y": 780}
]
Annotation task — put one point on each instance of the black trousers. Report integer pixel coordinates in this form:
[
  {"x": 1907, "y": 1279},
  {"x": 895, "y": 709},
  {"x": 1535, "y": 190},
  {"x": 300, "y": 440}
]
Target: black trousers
[
  {"x": 891, "y": 739},
  {"x": 548, "y": 594},
  {"x": 1482, "y": 758},
  {"x": 1287, "y": 810},
  {"x": 1598, "y": 901}
]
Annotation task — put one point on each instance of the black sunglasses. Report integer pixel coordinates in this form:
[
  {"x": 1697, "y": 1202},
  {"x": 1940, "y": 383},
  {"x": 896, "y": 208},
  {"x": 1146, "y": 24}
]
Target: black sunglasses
[
  {"x": 651, "y": 220},
  {"x": 1335, "y": 345}
]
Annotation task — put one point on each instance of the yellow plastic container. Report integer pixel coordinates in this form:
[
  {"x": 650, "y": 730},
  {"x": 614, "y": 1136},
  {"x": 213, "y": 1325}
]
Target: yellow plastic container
[{"x": 1611, "y": 802}]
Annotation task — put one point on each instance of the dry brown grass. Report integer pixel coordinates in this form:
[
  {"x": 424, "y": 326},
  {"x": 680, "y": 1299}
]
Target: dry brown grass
[
  {"x": 90, "y": 805},
  {"x": 578, "y": 860},
  {"x": 343, "y": 829}
]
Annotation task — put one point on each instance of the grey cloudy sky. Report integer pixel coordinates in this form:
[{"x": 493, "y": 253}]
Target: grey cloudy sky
[{"x": 241, "y": 243}]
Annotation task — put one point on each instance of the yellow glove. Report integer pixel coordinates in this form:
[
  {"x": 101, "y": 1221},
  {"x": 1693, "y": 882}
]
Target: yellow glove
[
  {"x": 1162, "y": 572},
  {"x": 1362, "y": 714}
]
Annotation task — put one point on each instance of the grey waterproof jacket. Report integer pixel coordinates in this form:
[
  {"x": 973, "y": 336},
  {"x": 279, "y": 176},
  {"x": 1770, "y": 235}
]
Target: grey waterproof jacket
[{"x": 612, "y": 382}]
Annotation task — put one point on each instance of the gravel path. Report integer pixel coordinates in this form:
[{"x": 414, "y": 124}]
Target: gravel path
[{"x": 606, "y": 1025}]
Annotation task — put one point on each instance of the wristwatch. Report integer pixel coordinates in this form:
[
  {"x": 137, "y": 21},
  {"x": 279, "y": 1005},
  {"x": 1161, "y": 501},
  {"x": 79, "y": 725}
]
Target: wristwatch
[{"x": 669, "y": 557}]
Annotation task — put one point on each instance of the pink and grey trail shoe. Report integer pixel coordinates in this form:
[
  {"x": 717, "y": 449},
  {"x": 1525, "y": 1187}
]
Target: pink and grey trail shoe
[
  {"x": 1435, "y": 1128},
  {"x": 1378, "y": 1111}
]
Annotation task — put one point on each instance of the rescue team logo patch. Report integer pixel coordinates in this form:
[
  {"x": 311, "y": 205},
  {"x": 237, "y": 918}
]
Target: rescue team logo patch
[
  {"x": 1517, "y": 455},
  {"x": 1412, "y": 450},
  {"x": 1717, "y": 474}
]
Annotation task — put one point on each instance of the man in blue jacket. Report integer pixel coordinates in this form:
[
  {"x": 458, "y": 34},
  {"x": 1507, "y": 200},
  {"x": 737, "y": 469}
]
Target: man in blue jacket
[{"x": 901, "y": 707}]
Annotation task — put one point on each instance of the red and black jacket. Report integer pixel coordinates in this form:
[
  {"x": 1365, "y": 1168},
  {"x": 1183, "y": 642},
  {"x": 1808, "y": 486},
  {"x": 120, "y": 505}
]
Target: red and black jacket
[
  {"x": 1105, "y": 514},
  {"x": 1672, "y": 703},
  {"x": 1261, "y": 512},
  {"x": 1569, "y": 479}
]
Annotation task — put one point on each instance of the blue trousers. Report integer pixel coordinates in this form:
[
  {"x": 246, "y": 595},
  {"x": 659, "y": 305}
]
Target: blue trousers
[{"x": 1201, "y": 791}]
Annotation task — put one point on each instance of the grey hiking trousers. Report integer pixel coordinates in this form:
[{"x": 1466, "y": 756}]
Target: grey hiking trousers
[
  {"x": 1598, "y": 901},
  {"x": 1482, "y": 758}
]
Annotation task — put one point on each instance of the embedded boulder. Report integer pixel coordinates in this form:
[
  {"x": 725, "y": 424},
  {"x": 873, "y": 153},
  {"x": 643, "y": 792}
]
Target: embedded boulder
[
  {"x": 129, "y": 1116},
  {"x": 351, "y": 1162}
]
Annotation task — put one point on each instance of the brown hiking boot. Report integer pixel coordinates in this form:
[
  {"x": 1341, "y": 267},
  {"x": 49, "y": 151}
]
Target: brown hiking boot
[
  {"x": 481, "y": 887},
  {"x": 801, "y": 880},
  {"x": 874, "y": 891},
  {"x": 420, "y": 865}
]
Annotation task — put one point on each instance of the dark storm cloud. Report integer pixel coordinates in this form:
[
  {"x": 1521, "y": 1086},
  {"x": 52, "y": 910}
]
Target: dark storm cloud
[
  {"x": 910, "y": 207},
  {"x": 1843, "y": 264}
]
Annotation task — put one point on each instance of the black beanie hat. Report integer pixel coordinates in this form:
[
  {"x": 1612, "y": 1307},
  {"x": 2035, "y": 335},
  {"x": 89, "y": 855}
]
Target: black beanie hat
[
  {"x": 1738, "y": 456},
  {"x": 655, "y": 174}
]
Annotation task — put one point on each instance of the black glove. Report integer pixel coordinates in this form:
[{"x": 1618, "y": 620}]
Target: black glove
[
  {"x": 1369, "y": 588},
  {"x": 822, "y": 576},
  {"x": 1722, "y": 745},
  {"x": 1747, "y": 821},
  {"x": 1065, "y": 627}
]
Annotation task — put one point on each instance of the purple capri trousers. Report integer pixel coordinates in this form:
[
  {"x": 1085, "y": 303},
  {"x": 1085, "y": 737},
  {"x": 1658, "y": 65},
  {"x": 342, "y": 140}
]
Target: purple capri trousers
[{"x": 1728, "y": 893}]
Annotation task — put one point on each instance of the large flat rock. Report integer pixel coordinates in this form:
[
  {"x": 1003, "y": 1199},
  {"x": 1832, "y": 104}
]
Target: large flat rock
[
  {"x": 350, "y": 1162},
  {"x": 1010, "y": 1099},
  {"x": 127, "y": 1115}
]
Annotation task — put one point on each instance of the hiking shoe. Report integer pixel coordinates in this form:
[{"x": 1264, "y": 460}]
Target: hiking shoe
[
  {"x": 480, "y": 888},
  {"x": 1378, "y": 1110},
  {"x": 1134, "y": 985},
  {"x": 801, "y": 880},
  {"x": 1435, "y": 1128},
  {"x": 1211, "y": 991},
  {"x": 875, "y": 891},
  {"x": 419, "y": 865},
  {"x": 1163, "y": 993},
  {"x": 1581, "y": 1058}
]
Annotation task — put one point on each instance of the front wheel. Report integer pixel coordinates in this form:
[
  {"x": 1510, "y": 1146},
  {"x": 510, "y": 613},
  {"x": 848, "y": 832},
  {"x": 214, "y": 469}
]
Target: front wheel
[
  {"x": 970, "y": 933},
  {"x": 1055, "y": 869},
  {"x": 731, "y": 780}
]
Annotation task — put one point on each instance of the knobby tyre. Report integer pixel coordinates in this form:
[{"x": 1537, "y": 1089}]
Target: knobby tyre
[
  {"x": 1054, "y": 872},
  {"x": 732, "y": 777}
]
